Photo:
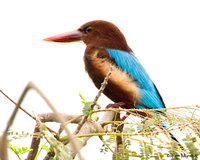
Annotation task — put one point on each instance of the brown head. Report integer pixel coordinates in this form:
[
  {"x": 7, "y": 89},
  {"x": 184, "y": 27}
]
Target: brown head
[{"x": 96, "y": 33}]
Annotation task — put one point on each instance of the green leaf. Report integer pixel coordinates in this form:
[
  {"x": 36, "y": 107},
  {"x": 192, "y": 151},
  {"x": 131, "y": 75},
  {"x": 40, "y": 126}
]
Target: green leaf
[
  {"x": 25, "y": 150},
  {"x": 83, "y": 99},
  {"x": 18, "y": 150},
  {"x": 46, "y": 148},
  {"x": 43, "y": 147},
  {"x": 87, "y": 108}
]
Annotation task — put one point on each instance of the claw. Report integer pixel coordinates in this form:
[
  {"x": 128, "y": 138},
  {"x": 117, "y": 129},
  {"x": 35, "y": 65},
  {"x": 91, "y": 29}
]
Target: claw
[{"x": 116, "y": 105}]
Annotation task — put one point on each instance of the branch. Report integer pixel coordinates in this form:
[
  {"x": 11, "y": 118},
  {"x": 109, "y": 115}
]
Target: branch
[
  {"x": 18, "y": 105},
  {"x": 3, "y": 146},
  {"x": 27, "y": 88},
  {"x": 103, "y": 85},
  {"x": 91, "y": 127},
  {"x": 3, "y": 140},
  {"x": 67, "y": 118},
  {"x": 34, "y": 144},
  {"x": 60, "y": 119}
]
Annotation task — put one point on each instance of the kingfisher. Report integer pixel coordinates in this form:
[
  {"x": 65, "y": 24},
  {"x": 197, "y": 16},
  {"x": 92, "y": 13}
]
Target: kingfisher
[{"x": 129, "y": 85}]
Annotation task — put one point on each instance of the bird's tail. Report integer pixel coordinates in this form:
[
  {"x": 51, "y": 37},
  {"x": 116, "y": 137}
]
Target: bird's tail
[
  {"x": 161, "y": 125},
  {"x": 165, "y": 127},
  {"x": 175, "y": 139}
]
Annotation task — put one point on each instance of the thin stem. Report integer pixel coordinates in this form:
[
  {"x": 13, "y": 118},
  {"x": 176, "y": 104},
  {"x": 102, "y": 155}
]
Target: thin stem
[
  {"x": 18, "y": 106},
  {"x": 103, "y": 85}
]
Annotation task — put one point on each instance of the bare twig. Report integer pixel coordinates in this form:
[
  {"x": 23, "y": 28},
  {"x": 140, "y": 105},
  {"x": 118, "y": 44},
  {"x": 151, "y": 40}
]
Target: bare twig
[
  {"x": 119, "y": 142},
  {"x": 34, "y": 144},
  {"x": 49, "y": 155},
  {"x": 48, "y": 117},
  {"x": 67, "y": 118},
  {"x": 103, "y": 85},
  {"x": 60, "y": 119},
  {"x": 33, "y": 86},
  {"x": 18, "y": 105},
  {"x": 3, "y": 146},
  {"x": 91, "y": 127},
  {"x": 3, "y": 140}
]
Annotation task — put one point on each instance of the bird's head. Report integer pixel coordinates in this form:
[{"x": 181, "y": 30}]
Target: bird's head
[{"x": 96, "y": 33}]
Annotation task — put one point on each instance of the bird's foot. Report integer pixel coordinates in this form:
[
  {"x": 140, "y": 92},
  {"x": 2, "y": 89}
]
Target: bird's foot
[{"x": 116, "y": 105}]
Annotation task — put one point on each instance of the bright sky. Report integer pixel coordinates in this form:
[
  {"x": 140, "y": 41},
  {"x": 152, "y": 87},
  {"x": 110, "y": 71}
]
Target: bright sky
[{"x": 165, "y": 36}]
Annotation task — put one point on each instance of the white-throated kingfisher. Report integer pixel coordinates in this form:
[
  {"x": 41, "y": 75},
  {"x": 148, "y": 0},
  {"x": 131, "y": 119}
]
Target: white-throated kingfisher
[{"x": 129, "y": 85}]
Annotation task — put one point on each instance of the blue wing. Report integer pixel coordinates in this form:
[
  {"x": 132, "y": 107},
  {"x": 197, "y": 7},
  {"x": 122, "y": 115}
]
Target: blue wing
[{"x": 127, "y": 61}]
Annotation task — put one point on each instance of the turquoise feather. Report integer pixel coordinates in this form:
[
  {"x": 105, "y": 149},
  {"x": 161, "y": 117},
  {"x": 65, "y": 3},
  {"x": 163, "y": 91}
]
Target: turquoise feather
[{"x": 149, "y": 96}]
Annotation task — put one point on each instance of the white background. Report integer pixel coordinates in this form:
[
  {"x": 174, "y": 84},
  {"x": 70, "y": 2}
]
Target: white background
[{"x": 164, "y": 35}]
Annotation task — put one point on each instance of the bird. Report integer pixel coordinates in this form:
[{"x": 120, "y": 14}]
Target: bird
[{"x": 129, "y": 85}]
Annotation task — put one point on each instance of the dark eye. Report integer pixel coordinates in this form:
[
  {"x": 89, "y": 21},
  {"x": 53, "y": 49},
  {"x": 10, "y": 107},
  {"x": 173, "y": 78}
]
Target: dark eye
[{"x": 88, "y": 29}]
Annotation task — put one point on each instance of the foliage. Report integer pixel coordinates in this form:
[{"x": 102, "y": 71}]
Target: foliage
[
  {"x": 143, "y": 138},
  {"x": 62, "y": 152},
  {"x": 18, "y": 135},
  {"x": 43, "y": 147},
  {"x": 87, "y": 109},
  {"x": 18, "y": 150}
]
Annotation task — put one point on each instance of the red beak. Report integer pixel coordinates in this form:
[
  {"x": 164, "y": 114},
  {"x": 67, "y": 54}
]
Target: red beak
[{"x": 65, "y": 37}]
